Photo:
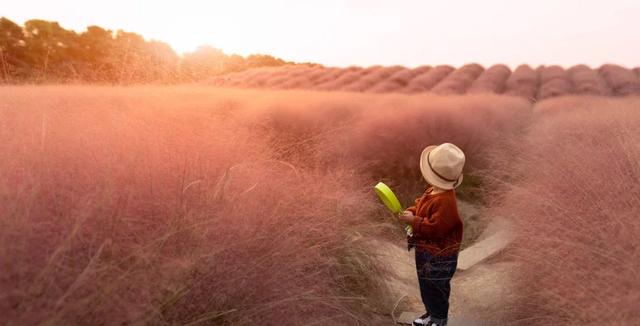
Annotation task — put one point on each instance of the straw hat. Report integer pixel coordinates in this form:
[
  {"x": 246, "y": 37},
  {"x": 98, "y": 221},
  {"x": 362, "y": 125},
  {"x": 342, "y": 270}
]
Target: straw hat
[{"x": 442, "y": 165}]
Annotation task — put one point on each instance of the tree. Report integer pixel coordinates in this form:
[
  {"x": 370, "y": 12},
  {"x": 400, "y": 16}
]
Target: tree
[
  {"x": 261, "y": 60},
  {"x": 162, "y": 61},
  {"x": 51, "y": 49},
  {"x": 12, "y": 50},
  {"x": 96, "y": 45},
  {"x": 234, "y": 63},
  {"x": 204, "y": 62}
]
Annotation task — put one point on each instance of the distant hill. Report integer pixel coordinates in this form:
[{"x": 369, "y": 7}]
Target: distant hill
[{"x": 532, "y": 83}]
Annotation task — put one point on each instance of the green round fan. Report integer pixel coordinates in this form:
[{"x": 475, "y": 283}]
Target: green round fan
[
  {"x": 391, "y": 201},
  {"x": 388, "y": 197}
]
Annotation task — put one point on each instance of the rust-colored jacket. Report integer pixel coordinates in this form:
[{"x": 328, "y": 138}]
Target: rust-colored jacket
[{"x": 437, "y": 227}]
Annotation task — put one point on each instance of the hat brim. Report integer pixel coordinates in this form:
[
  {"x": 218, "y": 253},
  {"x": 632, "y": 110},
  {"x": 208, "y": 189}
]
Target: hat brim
[{"x": 431, "y": 177}]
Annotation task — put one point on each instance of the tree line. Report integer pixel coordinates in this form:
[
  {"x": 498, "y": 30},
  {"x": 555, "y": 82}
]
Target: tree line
[{"x": 43, "y": 51}]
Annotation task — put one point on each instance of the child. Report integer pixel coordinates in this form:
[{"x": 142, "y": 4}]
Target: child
[{"x": 437, "y": 229}]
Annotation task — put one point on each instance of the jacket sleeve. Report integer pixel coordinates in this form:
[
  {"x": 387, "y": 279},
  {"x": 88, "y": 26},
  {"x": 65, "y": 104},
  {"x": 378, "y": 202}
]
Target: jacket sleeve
[
  {"x": 412, "y": 209},
  {"x": 442, "y": 219}
]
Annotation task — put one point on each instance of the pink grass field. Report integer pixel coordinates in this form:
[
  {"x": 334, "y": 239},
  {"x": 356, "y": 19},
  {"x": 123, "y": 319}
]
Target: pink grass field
[
  {"x": 572, "y": 187},
  {"x": 209, "y": 206},
  {"x": 195, "y": 205}
]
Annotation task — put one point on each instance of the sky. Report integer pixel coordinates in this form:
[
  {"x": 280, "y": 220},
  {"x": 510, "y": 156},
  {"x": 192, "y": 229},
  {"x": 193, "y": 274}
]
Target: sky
[{"x": 371, "y": 32}]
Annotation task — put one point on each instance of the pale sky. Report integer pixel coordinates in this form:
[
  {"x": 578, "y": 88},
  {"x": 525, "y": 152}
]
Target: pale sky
[{"x": 370, "y": 32}]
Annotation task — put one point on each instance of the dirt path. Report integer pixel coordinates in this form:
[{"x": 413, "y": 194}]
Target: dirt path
[{"x": 479, "y": 293}]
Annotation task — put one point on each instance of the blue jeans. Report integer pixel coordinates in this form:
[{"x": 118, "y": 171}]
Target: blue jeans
[{"x": 434, "y": 277}]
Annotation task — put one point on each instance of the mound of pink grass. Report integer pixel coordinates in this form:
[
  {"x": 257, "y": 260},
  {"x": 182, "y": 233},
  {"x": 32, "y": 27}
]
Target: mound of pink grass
[
  {"x": 345, "y": 79},
  {"x": 571, "y": 188},
  {"x": 290, "y": 73},
  {"x": 260, "y": 79},
  {"x": 305, "y": 78},
  {"x": 523, "y": 82},
  {"x": 332, "y": 74},
  {"x": 622, "y": 81},
  {"x": 588, "y": 81},
  {"x": 491, "y": 80},
  {"x": 370, "y": 80},
  {"x": 428, "y": 79},
  {"x": 398, "y": 80},
  {"x": 459, "y": 81},
  {"x": 554, "y": 81}
]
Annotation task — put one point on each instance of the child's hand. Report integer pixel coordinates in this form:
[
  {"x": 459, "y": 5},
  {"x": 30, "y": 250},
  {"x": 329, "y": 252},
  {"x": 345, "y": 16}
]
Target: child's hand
[{"x": 405, "y": 217}]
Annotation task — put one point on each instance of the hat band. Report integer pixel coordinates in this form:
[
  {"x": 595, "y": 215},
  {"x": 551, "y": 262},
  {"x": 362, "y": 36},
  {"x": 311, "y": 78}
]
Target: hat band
[{"x": 436, "y": 172}]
